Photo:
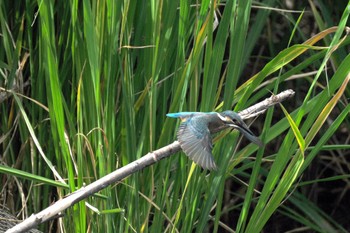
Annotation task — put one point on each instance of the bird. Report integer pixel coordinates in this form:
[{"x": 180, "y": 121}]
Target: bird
[{"x": 194, "y": 133}]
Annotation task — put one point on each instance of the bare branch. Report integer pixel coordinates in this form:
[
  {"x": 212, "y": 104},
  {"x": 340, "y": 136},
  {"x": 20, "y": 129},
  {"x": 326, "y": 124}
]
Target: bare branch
[
  {"x": 261, "y": 107},
  {"x": 56, "y": 209}
]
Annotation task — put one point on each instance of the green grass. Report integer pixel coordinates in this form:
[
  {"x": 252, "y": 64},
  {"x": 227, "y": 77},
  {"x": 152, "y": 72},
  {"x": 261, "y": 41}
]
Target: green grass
[{"x": 100, "y": 77}]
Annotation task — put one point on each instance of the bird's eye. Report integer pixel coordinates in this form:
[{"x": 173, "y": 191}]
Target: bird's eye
[{"x": 232, "y": 120}]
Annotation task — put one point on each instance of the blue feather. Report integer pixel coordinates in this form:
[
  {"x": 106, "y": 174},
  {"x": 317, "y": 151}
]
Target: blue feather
[
  {"x": 186, "y": 114},
  {"x": 181, "y": 114}
]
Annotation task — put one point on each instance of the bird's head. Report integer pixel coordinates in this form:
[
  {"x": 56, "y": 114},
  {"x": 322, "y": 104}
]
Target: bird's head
[{"x": 232, "y": 119}]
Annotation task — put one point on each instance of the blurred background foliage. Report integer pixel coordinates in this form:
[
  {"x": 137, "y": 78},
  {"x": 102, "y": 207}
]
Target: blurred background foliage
[{"x": 85, "y": 86}]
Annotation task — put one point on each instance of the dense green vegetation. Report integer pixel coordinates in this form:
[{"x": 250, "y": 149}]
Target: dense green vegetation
[{"x": 88, "y": 85}]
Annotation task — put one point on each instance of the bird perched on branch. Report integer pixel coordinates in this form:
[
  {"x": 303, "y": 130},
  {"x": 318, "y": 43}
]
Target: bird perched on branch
[{"x": 194, "y": 134}]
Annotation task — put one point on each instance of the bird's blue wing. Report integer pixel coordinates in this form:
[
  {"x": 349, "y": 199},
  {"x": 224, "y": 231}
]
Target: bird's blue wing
[
  {"x": 182, "y": 114},
  {"x": 195, "y": 140}
]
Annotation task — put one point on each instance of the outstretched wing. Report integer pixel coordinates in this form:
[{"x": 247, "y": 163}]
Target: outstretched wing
[
  {"x": 183, "y": 115},
  {"x": 195, "y": 140}
]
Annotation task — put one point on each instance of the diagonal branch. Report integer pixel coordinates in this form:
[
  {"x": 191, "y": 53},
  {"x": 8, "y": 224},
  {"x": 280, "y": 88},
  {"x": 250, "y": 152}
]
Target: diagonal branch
[{"x": 55, "y": 209}]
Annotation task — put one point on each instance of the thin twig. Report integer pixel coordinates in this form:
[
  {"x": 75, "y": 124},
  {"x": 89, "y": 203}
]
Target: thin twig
[{"x": 56, "y": 209}]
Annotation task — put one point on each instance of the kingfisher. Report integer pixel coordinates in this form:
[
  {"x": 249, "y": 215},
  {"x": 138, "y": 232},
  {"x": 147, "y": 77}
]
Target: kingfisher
[{"x": 194, "y": 133}]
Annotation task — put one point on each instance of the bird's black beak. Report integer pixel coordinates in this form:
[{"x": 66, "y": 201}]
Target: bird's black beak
[{"x": 243, "y": 128}]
